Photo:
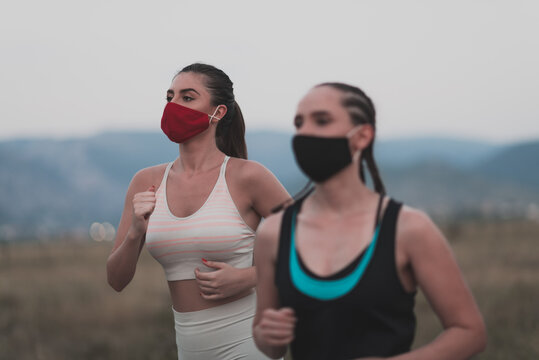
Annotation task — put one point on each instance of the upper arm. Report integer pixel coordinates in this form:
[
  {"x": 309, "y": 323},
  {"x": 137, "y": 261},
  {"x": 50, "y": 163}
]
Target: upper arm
[
  {"x": 436, "y": 271},
  {"x": 265, "y": 254},
  {"x": 140, "y": 182},
  {"x": 266, "y": 191}
]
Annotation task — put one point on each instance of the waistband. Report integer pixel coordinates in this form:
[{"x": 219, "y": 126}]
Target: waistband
[
  {"x": 243, "y": 306},
  {"x": 215, "y": 328}
]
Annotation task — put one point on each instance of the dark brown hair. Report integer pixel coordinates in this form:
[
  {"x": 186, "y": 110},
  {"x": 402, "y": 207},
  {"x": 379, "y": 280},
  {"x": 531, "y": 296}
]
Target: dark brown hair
[
  {"x": 230, "y": 132},
  {"x": 361, "y": 110}
]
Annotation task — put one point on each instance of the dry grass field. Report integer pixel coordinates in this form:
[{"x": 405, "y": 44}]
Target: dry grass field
[{"x": 55, "y": 302}]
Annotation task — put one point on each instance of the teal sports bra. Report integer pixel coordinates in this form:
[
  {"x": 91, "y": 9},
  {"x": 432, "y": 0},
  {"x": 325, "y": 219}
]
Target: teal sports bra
[{"x": 329, "y": 289}]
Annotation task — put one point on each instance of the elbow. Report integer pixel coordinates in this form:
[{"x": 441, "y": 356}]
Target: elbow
[
  {"x": 478, "y": 337},
  {"x": 114, "y": 281},
  {"x": 481, "y": 338},
  {"x": 116, "y": 285}
]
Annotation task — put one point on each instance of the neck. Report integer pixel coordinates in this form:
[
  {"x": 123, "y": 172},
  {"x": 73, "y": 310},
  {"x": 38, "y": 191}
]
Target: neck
[
  {"x": 343, "y": 193},
  {"x": 200, "y": 153}
]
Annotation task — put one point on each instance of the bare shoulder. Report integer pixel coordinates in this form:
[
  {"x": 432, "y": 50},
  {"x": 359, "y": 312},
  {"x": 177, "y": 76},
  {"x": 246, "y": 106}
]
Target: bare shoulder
[
  {"x": 248, "y": 170},
  {"x": 413, "y": 222},
  {"x": 147, "y": 177},
  {"x": 416, "y": 231}
]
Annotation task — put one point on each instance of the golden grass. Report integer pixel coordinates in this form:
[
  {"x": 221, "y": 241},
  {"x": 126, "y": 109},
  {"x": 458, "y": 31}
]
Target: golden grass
[{"x": 55, "y": 302}]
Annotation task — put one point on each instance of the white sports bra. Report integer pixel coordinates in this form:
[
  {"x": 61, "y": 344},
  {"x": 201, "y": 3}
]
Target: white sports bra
[{"x": 215, "y": 232}]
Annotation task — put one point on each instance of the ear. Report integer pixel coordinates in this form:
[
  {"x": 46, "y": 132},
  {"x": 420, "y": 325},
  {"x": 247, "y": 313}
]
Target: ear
[
  {"x": 362, "y": 138},
  {"x": 221, "y": 112}
]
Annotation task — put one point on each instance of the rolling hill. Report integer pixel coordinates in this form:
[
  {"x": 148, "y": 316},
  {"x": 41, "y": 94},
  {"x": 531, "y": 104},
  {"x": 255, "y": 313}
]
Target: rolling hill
[{"x": 53, "y": 186}]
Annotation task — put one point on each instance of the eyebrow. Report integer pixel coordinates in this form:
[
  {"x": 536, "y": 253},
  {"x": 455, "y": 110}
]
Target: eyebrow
[
  {"x": 183, "y": 91},
  {"x": 316, "y": 113},
  {"x": 321, "y": 113}
]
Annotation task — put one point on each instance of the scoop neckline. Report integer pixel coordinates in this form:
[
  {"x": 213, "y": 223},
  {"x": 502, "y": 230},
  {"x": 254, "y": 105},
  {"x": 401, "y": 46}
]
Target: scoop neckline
[{"x": 205, "y": 202}]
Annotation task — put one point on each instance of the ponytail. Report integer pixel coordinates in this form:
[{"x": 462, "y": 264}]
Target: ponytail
[{"x": 230, "y": 133}]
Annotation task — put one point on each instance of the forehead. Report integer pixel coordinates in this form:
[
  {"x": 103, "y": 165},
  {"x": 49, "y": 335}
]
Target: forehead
[
  {"x": 189, "y": 80},
  {"x": 321, "y": 97}
]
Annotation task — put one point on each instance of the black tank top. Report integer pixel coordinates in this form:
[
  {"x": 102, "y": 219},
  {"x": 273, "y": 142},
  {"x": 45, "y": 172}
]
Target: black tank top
[{"x": 375, "y": 318}]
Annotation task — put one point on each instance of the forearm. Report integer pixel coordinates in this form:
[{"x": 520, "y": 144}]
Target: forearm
[
  {"x": 454, "y": 343},
  {"x": 122, "y": 263},
  {"x": 248, "y": 277}
]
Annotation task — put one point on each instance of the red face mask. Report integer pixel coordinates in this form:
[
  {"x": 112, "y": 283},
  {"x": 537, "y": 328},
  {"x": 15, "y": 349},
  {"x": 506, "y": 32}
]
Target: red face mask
[{"x": 181, "y": 123}]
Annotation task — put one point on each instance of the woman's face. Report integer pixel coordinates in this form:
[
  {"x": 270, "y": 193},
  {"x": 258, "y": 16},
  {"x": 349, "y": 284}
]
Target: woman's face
[
  {"x": 188, "y": 89},
  {"x": 320, "y": 113}
]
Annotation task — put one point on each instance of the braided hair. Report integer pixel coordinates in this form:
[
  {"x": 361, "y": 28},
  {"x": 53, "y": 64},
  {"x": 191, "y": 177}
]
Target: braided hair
[{"x": 361, "y": 110}]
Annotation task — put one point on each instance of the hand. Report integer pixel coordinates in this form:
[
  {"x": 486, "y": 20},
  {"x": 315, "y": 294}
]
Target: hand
[
  {"x": 276, "y": 327},
  {"x": 143, "y": 206},
  {"x": 224, "y": 282}
]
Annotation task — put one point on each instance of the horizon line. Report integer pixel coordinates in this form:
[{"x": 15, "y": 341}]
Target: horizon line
[{"x": 423, "y": 136}]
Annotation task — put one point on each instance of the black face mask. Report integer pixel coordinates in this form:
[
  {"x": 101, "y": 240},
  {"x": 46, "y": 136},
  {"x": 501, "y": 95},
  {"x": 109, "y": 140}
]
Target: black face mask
[{"x": 321, "y": 157}]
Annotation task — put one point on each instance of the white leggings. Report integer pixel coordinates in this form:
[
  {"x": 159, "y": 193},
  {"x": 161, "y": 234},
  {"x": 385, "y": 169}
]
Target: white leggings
[{"x": 219, "y": 333}]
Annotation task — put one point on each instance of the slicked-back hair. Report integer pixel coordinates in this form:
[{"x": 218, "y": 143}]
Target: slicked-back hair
[{"x": 230, "y": 132}]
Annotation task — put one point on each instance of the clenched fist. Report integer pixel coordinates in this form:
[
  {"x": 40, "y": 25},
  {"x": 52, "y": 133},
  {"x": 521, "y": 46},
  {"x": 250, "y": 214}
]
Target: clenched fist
[
  {"x": 143, "y": 206},
  {"x": 276, "y": 327}
]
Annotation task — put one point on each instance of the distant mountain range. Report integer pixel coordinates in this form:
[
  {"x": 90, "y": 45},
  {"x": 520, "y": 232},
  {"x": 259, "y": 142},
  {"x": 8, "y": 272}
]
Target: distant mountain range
[{"x": 53, "y": 186}]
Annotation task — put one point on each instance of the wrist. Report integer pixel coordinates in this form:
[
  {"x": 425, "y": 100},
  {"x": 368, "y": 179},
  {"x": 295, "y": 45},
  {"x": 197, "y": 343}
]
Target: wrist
[
  {"x": 273, "y": 351},
  {"x": 249, "y": 277}
]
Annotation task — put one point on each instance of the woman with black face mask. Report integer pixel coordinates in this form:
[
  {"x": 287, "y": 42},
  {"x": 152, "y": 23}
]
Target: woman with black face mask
[
  {"x": 338, "y": 269},
  {"x": 196, "y": 216}
]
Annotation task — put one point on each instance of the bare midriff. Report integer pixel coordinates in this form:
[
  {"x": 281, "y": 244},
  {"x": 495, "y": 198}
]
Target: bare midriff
[{"x": 186, "y": 296}]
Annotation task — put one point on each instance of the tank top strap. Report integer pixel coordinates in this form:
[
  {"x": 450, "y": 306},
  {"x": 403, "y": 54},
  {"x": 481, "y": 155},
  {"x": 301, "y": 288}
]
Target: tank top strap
[
  {"x": 386, "y": 246},
  {"x": 163, "y": 184},
  {"x": 223, "y": 169},
  {"x": 282, "y": 268},
  {"x": 389, "y": 224}
]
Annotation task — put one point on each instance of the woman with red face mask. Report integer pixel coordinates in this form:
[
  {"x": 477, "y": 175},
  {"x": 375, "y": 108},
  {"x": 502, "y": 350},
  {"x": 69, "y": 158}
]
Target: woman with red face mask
[
  {"x": 197, "y": 215},
  {"x": 339, "y": 268}
]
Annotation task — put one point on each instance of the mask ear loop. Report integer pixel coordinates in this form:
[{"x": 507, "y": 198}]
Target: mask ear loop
[
  {"x": 356, "y": 156},
  {"x": 213, "y": 115},
  {"x": 352, "y": 132}
]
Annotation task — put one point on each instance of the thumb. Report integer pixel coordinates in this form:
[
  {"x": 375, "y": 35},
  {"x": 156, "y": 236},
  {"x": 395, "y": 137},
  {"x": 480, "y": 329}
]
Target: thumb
[
  {"x": 214, "y": 264},
  {"x": 151, "y": 188}
]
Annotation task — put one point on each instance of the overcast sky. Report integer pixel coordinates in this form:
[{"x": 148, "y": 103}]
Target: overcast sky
[{"x": 466, "y": 68}]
